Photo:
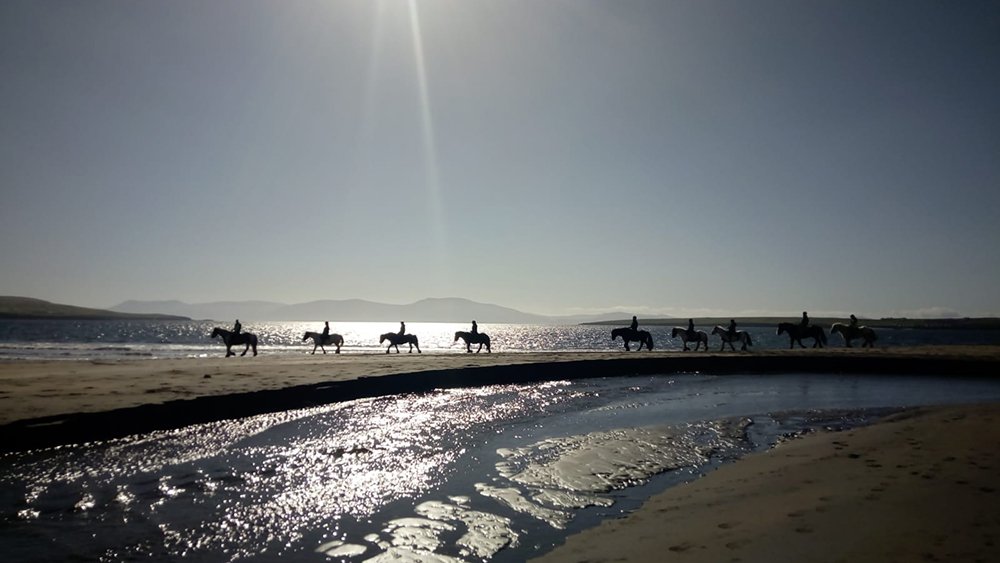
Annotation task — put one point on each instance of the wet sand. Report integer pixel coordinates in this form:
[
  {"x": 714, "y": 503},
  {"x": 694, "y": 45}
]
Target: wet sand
[
  {"x": 52, "y": 402},
  {"x": 923, "y": 485}
]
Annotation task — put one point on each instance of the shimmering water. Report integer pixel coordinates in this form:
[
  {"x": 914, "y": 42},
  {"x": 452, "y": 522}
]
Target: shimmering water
[
  {"x": 167, "y": 339},
  {"x": 498, "y": 473}
]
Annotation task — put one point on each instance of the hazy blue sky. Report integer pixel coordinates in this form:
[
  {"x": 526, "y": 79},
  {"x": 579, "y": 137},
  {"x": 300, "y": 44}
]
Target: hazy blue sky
[{"x": 661, "y": 157}]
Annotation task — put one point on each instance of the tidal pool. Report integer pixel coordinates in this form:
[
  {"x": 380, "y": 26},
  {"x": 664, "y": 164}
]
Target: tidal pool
[{"x": 493, "y": 473}]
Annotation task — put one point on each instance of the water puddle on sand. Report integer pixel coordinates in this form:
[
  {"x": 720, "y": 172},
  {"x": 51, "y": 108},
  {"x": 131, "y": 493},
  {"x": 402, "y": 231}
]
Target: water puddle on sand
[
  {"x": 496, "y": 473},
  {"x": 548, "y": 481}
]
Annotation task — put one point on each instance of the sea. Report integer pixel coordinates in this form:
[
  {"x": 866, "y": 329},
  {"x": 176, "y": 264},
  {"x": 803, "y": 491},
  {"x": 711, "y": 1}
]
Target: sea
[
  {"x": 495, "y": 473},
  {"x": 94, "y": 340}
]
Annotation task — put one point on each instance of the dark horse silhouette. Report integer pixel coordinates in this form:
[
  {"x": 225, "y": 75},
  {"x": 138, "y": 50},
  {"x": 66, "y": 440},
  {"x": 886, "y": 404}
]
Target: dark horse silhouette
[
  {"x": 699, "y": 337},
  {"x": 480, "y": 338},
  {"x": 629, "y": 335},
  {"x": 231, "y": 339},
  {"x": 851, "y": 332},
  {"x": 395, "y": 339},
  {"x": 319, "y": 341},
  {"x": 741, "y": 336},
  {"x": 796, "y": 333}
]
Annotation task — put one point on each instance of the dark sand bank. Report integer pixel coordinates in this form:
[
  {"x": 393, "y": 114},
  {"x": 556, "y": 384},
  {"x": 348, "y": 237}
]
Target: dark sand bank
[{"x": 47, "y": 403}]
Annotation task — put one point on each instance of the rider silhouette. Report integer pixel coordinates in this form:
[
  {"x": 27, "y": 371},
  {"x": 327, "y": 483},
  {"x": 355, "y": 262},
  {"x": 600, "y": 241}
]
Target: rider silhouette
[
  {"x": 402, "y": 328},
  {"x": 635, "y": 323},
  {"x": 854, "y": 322},
  {"x": 475, "y": 328},
  {"x": 732, "y": 328},
  {"x": 326, "y": 329},
  {"x": 805, "y": 320},
  {"x": 237, "y": 327},
  {"x": 690, "y": 328}
]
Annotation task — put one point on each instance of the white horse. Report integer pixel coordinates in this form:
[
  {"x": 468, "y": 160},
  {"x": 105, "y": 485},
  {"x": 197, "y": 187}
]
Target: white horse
[
  {"x": 319, "y": 341},
  {"x": 699, "y": 337},
  {"x": 741, "y": 336},
  {"x": 851, "y": 332}
]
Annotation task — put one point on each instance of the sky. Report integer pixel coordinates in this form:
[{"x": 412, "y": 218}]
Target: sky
[{"x": 559, "y": 157}]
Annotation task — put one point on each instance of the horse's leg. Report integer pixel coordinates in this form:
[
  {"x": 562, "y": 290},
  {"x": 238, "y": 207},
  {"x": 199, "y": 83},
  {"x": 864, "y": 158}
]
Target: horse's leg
[
  {"x": 229, "y": 351},
  {"x": 338, "y": 349},
  {"x": 323, "y": 348}
]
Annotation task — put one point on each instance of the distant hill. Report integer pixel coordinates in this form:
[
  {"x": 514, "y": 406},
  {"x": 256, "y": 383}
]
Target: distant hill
[
  {"x": 450, "y": 309},
  {"x": 28, "y": 308},
  {"x": 981, "y": 323}
]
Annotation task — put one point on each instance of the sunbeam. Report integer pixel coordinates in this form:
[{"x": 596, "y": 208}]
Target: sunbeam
[{"x": 429, "y": 144}]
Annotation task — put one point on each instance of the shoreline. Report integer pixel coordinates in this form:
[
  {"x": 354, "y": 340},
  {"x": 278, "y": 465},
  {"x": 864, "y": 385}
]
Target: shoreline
[
  {"x": 55, "y": 402},
  {"x": 921, "y": 485}
]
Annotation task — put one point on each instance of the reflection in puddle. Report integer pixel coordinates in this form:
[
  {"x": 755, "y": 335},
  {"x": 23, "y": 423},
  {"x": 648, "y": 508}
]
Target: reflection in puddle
[{"x": 498, "y": 472}]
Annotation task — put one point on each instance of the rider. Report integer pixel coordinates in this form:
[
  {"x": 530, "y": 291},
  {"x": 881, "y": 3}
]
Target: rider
[
  {"x": 237, "y": 327},
  {"x": 635, "y": 323},
  {"x": 805, "y": 320},
  {"x": 854, "y": 322},
  {"x": 402, "y": 328},
  {"x": 732, "y": 328},
  {"x": 690, "y": 329},
  {"x": 475, "y": 328},
  {"x": 326, "y": 330}
]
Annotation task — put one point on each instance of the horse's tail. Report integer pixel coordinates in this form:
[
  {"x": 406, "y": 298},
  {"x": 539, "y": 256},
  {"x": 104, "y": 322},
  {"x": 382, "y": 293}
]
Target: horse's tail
[
  {"x": 649, "y": 341},
  {"x": 749, "y": 339},
  {"x": 822, "y": 335}
]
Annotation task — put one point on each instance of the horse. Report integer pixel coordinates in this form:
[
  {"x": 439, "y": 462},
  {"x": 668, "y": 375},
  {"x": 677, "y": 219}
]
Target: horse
[
  {"x": 231, "y": 339},
  {"x": 796, "y": 333},
  {"x": 741, "y": 336},
  {"x": 470, "y": 338},
  {"x": 851, "y": 332},
  {"x": 319, "y": 341},
  {"x": 629, "y": 335},
  {"x": 699, "y": 337},
  {"x": 395, "y": 339}
]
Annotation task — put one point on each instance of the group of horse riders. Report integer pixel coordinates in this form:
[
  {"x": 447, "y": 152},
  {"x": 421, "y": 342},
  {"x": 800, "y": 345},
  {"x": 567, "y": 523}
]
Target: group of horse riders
[
  {"x": 323, "y": 338},
  {"x": 730, "y": 333}
]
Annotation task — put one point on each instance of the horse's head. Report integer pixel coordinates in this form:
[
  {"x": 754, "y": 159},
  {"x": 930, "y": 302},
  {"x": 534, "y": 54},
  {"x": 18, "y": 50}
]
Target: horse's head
[
  {"x": 382, "y": 338},
  {"x": 615, "y": 333},
  {"x": 305, "y": 337},
  {"x": 717, "y": 330},
  {"x": 216, "y": 332},
  {"x": 458, "y": 335},
  {"x": 781, "y": 328}
]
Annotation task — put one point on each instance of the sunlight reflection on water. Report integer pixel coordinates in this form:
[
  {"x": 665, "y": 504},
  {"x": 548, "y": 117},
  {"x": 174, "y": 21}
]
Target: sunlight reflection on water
[{"x": 462, "y": 473}]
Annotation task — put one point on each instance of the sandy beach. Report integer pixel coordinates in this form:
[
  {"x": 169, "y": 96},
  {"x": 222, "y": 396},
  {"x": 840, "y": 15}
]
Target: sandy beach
[
  {"x": 920, "y": 486},
  {"x": 52, "y": 402}
]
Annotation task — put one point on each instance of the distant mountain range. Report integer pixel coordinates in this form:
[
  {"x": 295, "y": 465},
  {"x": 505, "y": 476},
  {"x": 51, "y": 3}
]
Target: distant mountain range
[
  {"x": 451, "y": 309},
  {"x": 28, "y": 308}
]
